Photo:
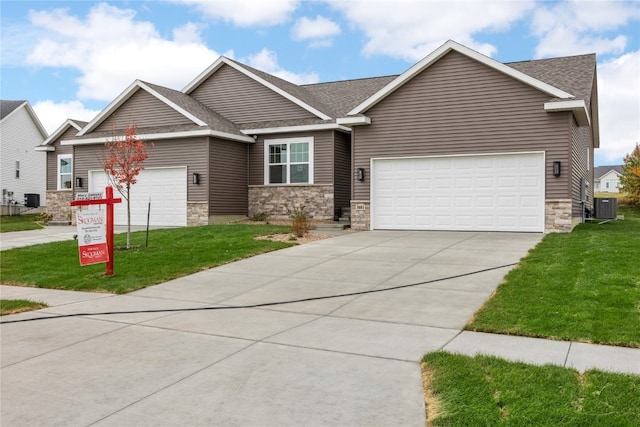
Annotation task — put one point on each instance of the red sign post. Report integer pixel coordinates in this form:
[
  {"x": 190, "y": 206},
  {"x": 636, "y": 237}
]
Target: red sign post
[{"x": 109, "y": 201}]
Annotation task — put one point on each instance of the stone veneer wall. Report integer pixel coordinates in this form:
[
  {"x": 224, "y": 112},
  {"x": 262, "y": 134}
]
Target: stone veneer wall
[
  {"x": 557, "y": 216},
  {"x": 59, "y": 206},
  {"x": 276, "y": 200},
  {"x": 197, "y": 213},
  {"x": 360, "y": 215}
]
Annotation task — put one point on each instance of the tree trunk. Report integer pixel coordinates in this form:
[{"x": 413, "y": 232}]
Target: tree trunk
[{"x": 128, "y": 215}]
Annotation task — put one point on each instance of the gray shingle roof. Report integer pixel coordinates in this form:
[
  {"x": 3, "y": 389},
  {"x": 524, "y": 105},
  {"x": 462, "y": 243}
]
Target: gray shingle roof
[
  {"x": 342, "y": 96},
  {"x": 7, "y": 107},
  {"x": 573, "y": 74},
  {"x": 600, "y": 171}
]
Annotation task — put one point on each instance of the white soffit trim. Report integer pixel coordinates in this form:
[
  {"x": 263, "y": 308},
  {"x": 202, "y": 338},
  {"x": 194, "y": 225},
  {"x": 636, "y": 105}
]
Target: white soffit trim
[
  {"x": 577, "y": 107},
  {"x": 434, "y": 56},
  {"x": 43, "y": 148},
  {"x": 166, "y": 135},
  {"x": 301, "y": 128},
  {"x": 222, "y": 60},
  {"x": 61, "y": 129},
  {"x": 354, "y": 120}
]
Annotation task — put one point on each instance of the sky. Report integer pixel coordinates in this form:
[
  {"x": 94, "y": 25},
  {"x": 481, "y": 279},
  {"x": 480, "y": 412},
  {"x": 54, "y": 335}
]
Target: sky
[{"x": 69, "y": 59}]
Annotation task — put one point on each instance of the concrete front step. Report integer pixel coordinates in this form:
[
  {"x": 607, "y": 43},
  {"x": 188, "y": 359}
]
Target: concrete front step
[{"x": 326, "y": 227}]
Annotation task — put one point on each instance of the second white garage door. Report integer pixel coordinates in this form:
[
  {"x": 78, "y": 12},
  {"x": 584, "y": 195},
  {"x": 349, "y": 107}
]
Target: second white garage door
[
  {"x": 165, "y": 187},
  {"x": 484, "y": 193}
]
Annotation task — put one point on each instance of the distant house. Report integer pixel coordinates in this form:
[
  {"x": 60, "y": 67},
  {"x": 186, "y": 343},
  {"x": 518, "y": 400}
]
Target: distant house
[
  {"x": 23, "y": 168},
  {"x": 607, "y": 179},
  {"x": 458, "y": 142}
]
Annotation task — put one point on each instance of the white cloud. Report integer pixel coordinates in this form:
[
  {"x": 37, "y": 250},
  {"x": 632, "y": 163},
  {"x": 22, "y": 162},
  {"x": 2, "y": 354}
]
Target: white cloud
[
  {"x": 267, "y": 61},
  {"x": 111, "y": 49},
  {"x": 246, "y": 13},
  {"x": 618, "y": 89},
  {"x": 52, "y": 114},
  {"x": 570, "y": 28},
  {"x": 319, "y": 30},
  {"x": 411, "y": 29}
]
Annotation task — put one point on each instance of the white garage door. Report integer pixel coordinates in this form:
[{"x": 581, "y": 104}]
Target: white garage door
[
  {"x": 484, "y": 193},
  {"x": 165, "y": 187}
]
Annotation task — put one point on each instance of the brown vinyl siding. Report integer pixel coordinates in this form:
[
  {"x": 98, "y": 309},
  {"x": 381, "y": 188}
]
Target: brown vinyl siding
[
  {"x": 322, "y": 156},
  {"x": 342, "y": 170},
  {"x": 243, "y": 100},
  {"x": 228, "y": 194},
  {"x": 460, "y": 106},
  {"x": 580, "y": 142},
  {"x": 145, "y": 110},
  {"x": 190, "y": 152},
  {"x": 52, "y": 158}
]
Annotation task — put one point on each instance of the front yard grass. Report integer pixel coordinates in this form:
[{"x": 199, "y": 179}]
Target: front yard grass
[
  {"x": 19, "y": 223},
  {"x": 484, "y": 390},
  {"x": 13, "y": 306},
  {"x": 579, "y": 286},
  {"x": 171, "y": 253}
]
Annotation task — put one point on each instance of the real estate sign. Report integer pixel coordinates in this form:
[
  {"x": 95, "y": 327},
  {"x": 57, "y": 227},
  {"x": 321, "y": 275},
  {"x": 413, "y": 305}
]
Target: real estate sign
[{"x": 92, "y": 236}]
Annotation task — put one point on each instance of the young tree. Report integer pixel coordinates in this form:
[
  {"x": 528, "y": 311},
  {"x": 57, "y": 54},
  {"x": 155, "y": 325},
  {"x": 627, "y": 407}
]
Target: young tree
[
  {"x": 630, "y": 179},
  {"x": 123, "y": 160}
]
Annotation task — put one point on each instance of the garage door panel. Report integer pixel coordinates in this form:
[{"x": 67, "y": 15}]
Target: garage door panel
[
  {"x": 488, "y": 193},
  {"x": 165, "y": 189}
]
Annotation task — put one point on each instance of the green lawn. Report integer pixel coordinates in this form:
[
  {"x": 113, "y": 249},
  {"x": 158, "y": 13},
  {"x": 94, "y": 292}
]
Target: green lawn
[
  {"x": 579, "y": 286},
  {"x": 487, "y": 391},
  {"x": 13, "y": 306},
  {"x": 19, "y": 223},
  {"x": 171, "y": 253}
]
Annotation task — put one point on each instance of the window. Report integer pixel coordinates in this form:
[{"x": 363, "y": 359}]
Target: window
[
  {"x": 288, "y": 161},
  {"x": 17, "y": 169},
  {"x": 65, "y": 170}
]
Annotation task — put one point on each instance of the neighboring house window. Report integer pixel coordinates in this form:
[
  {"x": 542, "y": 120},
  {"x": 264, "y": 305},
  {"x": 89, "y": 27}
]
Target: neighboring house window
[
  {"x": 17, "y": 169},
  {"x": 288, "y": 161},
  {"x": 611, "y": 183},
  {"x": 65, "y": 170}
]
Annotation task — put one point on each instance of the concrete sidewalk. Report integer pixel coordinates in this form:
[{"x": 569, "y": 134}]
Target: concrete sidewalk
[
  {"x": 184, "y": 353},
  {"x": 48, "y": 234}
]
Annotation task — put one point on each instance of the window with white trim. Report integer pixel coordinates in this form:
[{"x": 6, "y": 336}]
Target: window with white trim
[
  {"x": 288, "y": 161},
  {"x": 65, "y": 171}
]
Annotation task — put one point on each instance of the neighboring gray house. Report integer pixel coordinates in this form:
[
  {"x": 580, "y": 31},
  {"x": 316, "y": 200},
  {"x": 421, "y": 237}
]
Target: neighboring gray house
[
  {"x": 457, "y": 142},
  {"x": 607, "y": 179},
  {"x": 23, "y": 170}
]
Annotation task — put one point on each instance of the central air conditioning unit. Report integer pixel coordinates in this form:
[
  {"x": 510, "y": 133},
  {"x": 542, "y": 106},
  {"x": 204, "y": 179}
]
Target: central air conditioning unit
[{"x": 606, "y": 207}]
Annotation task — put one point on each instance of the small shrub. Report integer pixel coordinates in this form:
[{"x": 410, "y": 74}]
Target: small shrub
[
  {"x": 300, "y": 224},
  {"x": 44, "y": 218},
  {"x": 260, "y": 216}
]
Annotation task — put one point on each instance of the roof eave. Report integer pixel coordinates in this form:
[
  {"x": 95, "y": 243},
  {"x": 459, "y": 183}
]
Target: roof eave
[
  {"x": 577, "y": 106},
  {"x": 165, "y": 135},
  {"x": 354, "y": 121},
  {"x": 296, "y": 128}
]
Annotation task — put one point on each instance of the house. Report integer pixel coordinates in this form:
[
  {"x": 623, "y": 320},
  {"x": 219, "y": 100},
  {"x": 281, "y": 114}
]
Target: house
[
  {"x": 607, "y": 179},
  {"x": 457, "y": 142},
  {"x": 23, "y": 169}
]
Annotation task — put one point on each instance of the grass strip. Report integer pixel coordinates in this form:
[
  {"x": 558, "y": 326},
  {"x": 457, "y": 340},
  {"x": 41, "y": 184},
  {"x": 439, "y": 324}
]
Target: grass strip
[
  {"x": 13, "y": 306},
  {"x": 487, "y": 391},
  {"x": 579, "y": 286},
  {"x": 171, "y": 253},
  {"x": 19, "y": 223}
]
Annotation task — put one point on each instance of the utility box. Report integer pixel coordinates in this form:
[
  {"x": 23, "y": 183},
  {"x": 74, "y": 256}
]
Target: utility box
[
  {"x": 606, "y": 207},
  {"x": 32, "y": 200}
]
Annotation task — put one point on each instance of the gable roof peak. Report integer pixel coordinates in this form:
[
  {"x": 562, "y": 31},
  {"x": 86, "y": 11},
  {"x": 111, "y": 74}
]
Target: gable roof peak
[{"x": 440, "y": 52}]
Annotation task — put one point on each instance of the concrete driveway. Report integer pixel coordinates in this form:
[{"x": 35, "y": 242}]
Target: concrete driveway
[{"x": 352, "y": 360}]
